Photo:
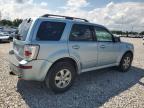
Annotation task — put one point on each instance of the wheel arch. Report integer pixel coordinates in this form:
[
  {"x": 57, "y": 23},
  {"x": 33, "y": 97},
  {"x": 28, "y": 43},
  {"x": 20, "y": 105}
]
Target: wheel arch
[
  {"x": 129, "y": 51},
  {"x": 67, "y": 59}
]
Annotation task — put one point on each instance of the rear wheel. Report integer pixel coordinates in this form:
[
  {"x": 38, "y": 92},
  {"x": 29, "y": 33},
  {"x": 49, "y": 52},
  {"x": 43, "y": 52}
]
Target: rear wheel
[
  {"x": 125, "y": 63},
  {"x": 60, "y": 77}
]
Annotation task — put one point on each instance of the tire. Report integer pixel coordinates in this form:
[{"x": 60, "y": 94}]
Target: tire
[
  {"x": 57, "y": 76},
  {"x": 126, "y": 62}
]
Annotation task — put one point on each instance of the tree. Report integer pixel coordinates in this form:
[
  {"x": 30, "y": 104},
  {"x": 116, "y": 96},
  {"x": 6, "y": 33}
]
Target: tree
[
  {"x": 16, "y": 22},
  {"x": 6, "y": 22},
  {"x": 133, "y": 33},
  {"x": 116, "y": 32},
  {"x": 142, "y": 33}
]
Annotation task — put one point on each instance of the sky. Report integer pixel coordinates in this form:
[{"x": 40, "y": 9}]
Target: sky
[{"x": 125, "y": 15}]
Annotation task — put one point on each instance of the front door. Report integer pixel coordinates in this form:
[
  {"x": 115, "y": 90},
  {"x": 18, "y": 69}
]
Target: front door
[{"x": 107, "y": 50}]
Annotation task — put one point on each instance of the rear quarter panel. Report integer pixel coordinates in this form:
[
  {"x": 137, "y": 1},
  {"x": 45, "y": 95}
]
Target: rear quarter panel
[{"x": 52, "y": 50}]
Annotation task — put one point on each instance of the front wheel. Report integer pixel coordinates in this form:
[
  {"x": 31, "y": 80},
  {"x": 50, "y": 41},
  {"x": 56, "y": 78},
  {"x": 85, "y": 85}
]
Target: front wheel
[
  {"x": 126, "y": 62},
  {"x": 60, "y": 77}
]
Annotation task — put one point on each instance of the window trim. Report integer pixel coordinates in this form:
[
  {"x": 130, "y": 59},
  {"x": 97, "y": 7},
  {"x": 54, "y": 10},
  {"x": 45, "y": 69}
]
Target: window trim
[
  {"x": 38, "y": 26},
  {"x": 106, "y": 30},
  {"x": 91, "y": 27}
]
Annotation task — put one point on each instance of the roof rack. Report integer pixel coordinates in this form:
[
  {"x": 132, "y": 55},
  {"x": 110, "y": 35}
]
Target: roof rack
[{"x": 66, "y": 17}]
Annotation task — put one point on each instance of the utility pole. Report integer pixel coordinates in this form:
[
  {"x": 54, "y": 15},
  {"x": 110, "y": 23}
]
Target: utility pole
[{"x": 122, "y": 24}]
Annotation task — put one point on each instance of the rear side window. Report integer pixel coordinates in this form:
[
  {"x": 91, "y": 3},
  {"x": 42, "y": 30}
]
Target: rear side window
[
  {"x": 81, "y": 32},
  {"x": 50, "y": 31}
]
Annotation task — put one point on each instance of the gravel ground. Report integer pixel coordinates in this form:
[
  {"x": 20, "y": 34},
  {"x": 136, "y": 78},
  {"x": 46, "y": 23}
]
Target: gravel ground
[{"x": 105, "y": 88}]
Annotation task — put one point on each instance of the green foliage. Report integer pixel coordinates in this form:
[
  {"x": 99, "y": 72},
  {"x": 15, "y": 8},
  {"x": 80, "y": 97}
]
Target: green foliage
[
  {"x": 142, "y": 33},
  {"x": 134, "y": 33},
  {"x": 124, "y": 33},
  {"x": 14, "y": 23},
  {"x": 6, "y": 22},
  {"x": 117, "y": 32}
]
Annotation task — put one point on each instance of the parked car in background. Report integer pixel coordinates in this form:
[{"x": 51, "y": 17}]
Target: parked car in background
[
  {"x": 4, "y": 37},
  {"x": 12, "y": 34},
  {"x": 143, "y": 40},
  {"x": 1, "y": 28},
  {"x": 55, "y": 49},
  {"x": 6, "y": 31}
]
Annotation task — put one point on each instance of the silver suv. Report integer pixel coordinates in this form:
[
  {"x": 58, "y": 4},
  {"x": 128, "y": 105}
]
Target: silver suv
[{"x": 55, "y": 49}]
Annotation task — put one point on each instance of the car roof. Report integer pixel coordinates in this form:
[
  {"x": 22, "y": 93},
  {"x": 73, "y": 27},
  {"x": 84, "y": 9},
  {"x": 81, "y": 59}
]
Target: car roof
[{"x": 68, "y": 20}]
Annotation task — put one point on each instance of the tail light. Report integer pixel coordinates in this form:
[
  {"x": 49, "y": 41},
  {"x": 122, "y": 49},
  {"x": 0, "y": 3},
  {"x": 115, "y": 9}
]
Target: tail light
[{"x": 31, "y": 52}]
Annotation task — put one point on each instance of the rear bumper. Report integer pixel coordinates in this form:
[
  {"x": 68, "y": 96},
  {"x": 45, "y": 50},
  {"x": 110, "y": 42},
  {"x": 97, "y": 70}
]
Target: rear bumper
[{"x": 29, "y": 70}]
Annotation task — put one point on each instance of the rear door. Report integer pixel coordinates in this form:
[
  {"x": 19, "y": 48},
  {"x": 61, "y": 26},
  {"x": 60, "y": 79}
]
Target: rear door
[
  {"x": 82, "y": 45},
  {"x": 49, "y": 37},
  {"x": 107, "y": 49}
]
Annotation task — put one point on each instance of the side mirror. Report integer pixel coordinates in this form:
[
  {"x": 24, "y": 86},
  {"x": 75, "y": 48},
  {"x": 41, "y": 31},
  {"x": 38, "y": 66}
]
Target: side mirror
[{"x": 116, "y": 39}]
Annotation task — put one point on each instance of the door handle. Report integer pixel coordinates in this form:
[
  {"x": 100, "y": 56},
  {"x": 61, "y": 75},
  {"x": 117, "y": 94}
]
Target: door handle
[
  {"x": 75, "y": 46},
  {"x": 102, "y": 46}
]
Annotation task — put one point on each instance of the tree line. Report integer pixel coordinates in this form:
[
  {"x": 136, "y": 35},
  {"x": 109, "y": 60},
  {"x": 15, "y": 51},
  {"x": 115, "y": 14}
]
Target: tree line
[
  {"x": 126, "y": 33},
  {"x": 14, "y": 23}
]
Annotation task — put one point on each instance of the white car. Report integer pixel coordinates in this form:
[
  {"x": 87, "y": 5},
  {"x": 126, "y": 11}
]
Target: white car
[{"x": 4, "y": 36}]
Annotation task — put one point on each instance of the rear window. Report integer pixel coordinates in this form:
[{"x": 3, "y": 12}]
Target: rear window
[
  {"x": 23, "y": 29},
  {"x": 50, "y": 31}
]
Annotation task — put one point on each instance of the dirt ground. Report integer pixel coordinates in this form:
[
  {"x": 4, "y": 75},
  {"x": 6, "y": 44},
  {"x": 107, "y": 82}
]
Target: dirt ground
[{"x": 105, "y": 88}]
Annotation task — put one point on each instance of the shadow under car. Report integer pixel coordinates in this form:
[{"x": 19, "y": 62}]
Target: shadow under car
[{"x": 91, "y": 89}]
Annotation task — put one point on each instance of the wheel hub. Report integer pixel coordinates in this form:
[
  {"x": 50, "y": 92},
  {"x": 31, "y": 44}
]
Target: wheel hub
[
  {"x": 63, "y": 78},
  {"x": 126, "y": 62}
]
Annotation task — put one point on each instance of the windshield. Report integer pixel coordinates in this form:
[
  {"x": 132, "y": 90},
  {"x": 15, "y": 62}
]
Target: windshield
[{"x": 23, "y": 29}]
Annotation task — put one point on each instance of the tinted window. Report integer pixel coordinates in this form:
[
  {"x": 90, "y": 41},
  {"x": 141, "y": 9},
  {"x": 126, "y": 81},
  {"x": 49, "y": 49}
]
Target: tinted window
[
  {"x": 51, "y": 31},
  {"x": 81, "y": 33},
  {"x": 103, "y": 35}
]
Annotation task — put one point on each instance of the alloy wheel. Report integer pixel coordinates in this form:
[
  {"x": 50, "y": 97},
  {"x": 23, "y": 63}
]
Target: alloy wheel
[{"x": 63, "y": 78}]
